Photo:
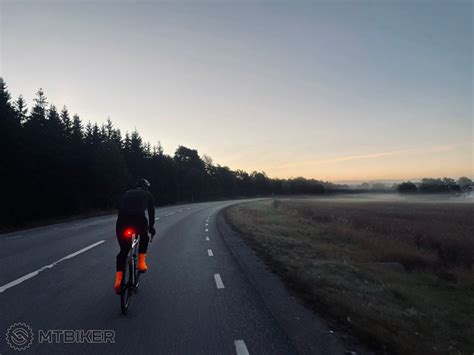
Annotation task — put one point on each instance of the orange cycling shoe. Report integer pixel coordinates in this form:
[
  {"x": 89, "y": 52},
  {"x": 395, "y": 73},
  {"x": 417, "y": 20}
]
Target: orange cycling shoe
[
  {"x": 118, "y": 281},
  {"x": 142, "y": 263}
]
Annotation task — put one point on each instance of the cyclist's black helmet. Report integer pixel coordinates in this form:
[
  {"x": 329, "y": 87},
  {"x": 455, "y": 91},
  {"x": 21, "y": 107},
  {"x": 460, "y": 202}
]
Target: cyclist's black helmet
[{"x": 143, "y": 184}]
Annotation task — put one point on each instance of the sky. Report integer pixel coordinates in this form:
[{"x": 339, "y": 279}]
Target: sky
[{"x": 333, "y": 90}]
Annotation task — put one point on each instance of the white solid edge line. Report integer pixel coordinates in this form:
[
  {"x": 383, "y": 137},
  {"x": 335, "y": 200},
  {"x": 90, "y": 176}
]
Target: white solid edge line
[
  {"x": 209, "y": 252},
  {"x": 36, "y": 272},
  {"x": 219, "y": 283},
  {"x": 14, "y": 236},
  {"x": 241, "y": 348}
]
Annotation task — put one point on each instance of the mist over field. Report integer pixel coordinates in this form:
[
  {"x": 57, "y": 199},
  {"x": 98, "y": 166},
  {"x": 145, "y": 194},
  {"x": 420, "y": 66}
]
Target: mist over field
[{"x": 396, "y": 198}]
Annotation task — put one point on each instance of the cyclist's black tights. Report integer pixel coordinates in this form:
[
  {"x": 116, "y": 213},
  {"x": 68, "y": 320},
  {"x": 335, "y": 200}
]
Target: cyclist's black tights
[{"x": 138, "y": 224}]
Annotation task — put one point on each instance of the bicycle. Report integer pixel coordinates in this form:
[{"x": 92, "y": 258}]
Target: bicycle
[{"x": 131, "y": 274}]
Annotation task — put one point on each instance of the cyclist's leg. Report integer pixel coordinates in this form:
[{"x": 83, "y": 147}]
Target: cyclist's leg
[
  {"x": 143, "y": 246},
  {"x": 125, "y": 245},
  {"x": 122, "y": 256}
]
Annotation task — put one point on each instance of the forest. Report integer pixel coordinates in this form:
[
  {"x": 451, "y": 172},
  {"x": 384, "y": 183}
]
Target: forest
[{"x": 53, "y": 164}]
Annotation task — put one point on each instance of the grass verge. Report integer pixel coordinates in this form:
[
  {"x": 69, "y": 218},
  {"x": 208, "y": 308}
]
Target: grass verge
[{"x": 338, "y": 255}]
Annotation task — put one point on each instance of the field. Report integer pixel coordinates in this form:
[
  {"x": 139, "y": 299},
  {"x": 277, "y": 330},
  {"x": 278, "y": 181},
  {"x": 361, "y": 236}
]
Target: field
[{"x": 399, "y": 274}]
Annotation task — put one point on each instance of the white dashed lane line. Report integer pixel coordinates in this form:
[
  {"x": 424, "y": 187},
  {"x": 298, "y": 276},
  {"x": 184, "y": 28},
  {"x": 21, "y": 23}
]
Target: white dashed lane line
[
  {"x": 219, "y": 283},
  {"x": 207, "y": 238},
  {"x": 207, "y": 230},
  {"x": 157, "y": 218},
  {"x": 209, "y": 252},
  {"x": 36, "y": 272},
  {"x": 241, "y": 348}
]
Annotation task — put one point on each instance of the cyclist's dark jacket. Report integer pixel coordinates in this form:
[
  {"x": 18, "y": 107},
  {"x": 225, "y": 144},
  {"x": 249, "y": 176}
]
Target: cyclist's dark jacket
[{"x": 132, "y": 209}]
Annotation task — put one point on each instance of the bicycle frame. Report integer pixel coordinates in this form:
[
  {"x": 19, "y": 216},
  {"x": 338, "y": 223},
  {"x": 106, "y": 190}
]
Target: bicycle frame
[{"x": 132, "y": 257}]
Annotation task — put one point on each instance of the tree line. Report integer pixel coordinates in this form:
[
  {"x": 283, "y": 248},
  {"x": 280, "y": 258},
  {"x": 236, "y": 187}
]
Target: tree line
[
  {"x": 54, "y": 165},
  {"x": 431, "y": 185},
  {"x": 425, "y": 185}
]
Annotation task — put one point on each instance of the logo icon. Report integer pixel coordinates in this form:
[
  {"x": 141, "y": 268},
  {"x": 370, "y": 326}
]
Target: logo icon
[{"x": 19, "y": 336}]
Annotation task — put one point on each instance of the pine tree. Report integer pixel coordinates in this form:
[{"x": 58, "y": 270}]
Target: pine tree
[
  {"x": 53, "y": 116},
  {"x": 127, "y": 143},
  {"x": 39, "y": 110},
  {"x": 77, "y": 134},
  {"x": 109, "y": 129},
  {"x": 11, "y": 166},
  {"x": 96, "y": 135},
  {"x": 9, "y": 120},
  {"x": 158, "y": 149},
  {"x": 147, "y": 150},
  {"x": 116, "y": 138},
  {"x": 88, "y": 134},
  {"x": 5, "y": 106},
  {"x": 7, "y": 113},
  {"x": 67, "y": 123},
  {"x": 21, "y": 109},
  {"x": 103, "y": 134},
  {"x": 55, "y": 126},
  {"x": 136, "y": 144}
]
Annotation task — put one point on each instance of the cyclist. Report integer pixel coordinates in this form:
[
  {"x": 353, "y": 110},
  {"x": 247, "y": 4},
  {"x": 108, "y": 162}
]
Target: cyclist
[{"x": 131, "y": 215}]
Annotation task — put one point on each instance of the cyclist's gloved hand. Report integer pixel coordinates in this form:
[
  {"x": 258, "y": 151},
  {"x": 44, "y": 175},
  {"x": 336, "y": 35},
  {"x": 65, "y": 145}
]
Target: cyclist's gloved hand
[{"x": 152, "y": 231}]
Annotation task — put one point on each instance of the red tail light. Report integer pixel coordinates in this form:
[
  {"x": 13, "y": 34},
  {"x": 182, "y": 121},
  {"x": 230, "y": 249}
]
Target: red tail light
[{"x": 128, "y": 232}]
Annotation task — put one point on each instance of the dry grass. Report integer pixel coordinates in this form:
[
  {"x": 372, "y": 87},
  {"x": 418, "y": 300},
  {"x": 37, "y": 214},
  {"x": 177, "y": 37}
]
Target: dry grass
[{"x": 330, "y": 253}]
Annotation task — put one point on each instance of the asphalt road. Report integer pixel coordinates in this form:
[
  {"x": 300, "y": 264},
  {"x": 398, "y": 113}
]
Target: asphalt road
[{"x": 195, "y": 299}]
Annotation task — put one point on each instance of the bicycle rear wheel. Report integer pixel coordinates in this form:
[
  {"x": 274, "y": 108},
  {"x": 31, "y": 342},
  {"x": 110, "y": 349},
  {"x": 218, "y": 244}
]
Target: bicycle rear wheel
[{"x": 126, "y": 287}]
